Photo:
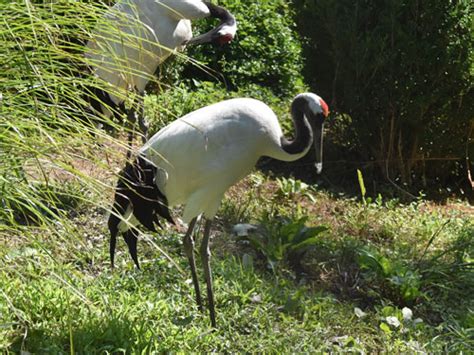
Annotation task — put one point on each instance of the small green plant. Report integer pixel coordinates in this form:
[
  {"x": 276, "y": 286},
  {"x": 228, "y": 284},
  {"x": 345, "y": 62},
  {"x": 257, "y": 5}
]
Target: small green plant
[
  {"x": 30, "y": 202},
  {"x": 282, "y": 239},
  {"x": 398, "y": 320},
  {"x": 363, "y": 191},
  {"x": 390, "y": 278},
  {"x": 289, "y": 188}
]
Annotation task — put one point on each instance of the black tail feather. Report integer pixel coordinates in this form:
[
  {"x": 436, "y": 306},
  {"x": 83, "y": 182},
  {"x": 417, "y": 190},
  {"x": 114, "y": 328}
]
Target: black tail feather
[
  {"x": 100, "y": 100},
  {"x": 113, "y": 223},
  {"x": 136, "y": 188},
  {"x": 130, "y": 237}
]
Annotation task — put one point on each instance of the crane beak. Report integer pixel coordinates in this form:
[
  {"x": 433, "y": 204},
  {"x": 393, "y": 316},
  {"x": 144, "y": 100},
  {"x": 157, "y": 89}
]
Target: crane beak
[
  {"x": 223, "y": 33},
  {"x": 318, "y": 135}
]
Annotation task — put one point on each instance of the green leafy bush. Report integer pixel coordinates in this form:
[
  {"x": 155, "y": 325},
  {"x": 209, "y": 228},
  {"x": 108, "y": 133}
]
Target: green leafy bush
[
  {"x": 437, "y": 275},
  {"x": 391, "y": 278},
  {"x": 265, "y": 52},
  {"x": 400, "y": 74}
]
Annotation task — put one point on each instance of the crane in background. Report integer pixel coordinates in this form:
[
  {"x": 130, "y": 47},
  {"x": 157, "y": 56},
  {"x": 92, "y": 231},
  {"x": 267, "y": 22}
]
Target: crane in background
[{"x": 133, "y": 38}]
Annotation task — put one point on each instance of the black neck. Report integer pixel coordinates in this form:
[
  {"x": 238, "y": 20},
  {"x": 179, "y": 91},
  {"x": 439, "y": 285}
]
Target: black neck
[
  {"x": 220, "y": 13},
  {"x": 303, "y": 133}
]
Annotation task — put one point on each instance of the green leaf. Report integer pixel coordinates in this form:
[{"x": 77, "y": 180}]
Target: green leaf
[
  {"x": 361, "y": 184},
  {"x": 256, "y": 243},
  {"x": 388, "y": 311},
  {"x": 308, "y": 232},
  {"x": 368, "y": 261},
  {"x": 385, "y": 327},
  {"x": 385, "y": 265},
  {"x": 305, "y": 244}
]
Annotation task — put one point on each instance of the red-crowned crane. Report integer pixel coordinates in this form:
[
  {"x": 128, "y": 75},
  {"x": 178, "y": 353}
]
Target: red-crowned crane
[
  {"x": 136, "y": 36},
  {"x": 195, "y": 159}
]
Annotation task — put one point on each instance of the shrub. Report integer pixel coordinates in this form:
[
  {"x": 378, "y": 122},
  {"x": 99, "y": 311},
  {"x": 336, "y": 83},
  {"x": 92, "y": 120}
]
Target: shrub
[
  {"x": 401, "y": 73},
  {"x": 266, "y": 51}
]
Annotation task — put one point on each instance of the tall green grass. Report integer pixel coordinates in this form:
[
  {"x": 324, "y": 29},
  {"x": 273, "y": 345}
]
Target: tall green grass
[
  {"x": 55, "y": 162},
  {"x": 53, "y": 156}
]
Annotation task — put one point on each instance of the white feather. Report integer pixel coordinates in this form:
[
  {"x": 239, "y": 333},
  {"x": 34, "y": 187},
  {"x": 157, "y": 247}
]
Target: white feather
[
  {"x": 228, "y": 30},
  {"x": 128, "y": 221}
]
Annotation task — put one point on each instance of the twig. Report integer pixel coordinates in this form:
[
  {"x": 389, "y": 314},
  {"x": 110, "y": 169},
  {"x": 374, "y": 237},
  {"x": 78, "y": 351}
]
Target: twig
[
  {"x": 394, "y": 184},
  {"x": 469, "y": 175},
  {"x": 435, "y": 234}
]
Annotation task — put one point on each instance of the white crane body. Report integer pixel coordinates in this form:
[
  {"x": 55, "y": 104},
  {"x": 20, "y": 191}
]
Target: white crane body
[{"x": 205, "y": 152}]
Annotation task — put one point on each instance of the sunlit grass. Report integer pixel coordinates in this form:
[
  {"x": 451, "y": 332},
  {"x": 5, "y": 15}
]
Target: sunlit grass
[{"x": 58, "y": 290}]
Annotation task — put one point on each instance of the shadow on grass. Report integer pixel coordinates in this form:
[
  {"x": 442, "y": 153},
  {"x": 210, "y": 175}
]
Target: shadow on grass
[
  {"x": 340, "y": 176},
  {"x": 438, "y": 284},
  {"x": 110, "y": 335}
]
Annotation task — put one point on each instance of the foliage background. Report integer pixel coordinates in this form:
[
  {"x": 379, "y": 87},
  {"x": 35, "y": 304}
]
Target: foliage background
[{"x": 401, "y": 75}]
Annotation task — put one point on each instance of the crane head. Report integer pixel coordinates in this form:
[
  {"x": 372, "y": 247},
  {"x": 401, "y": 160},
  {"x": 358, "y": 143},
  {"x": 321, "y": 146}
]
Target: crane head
[
  {"x": 223, "y": 33},
  {"x": 224, "y": 39},
  {"x": 317, "y": 110}
]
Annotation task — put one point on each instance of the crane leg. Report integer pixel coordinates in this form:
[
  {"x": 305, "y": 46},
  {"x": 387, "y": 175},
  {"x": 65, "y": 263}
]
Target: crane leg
[
  {"x": 206, "y": 256},
  {"x": 188, "y": 243},
  {"x": 131, "y": 119}
]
